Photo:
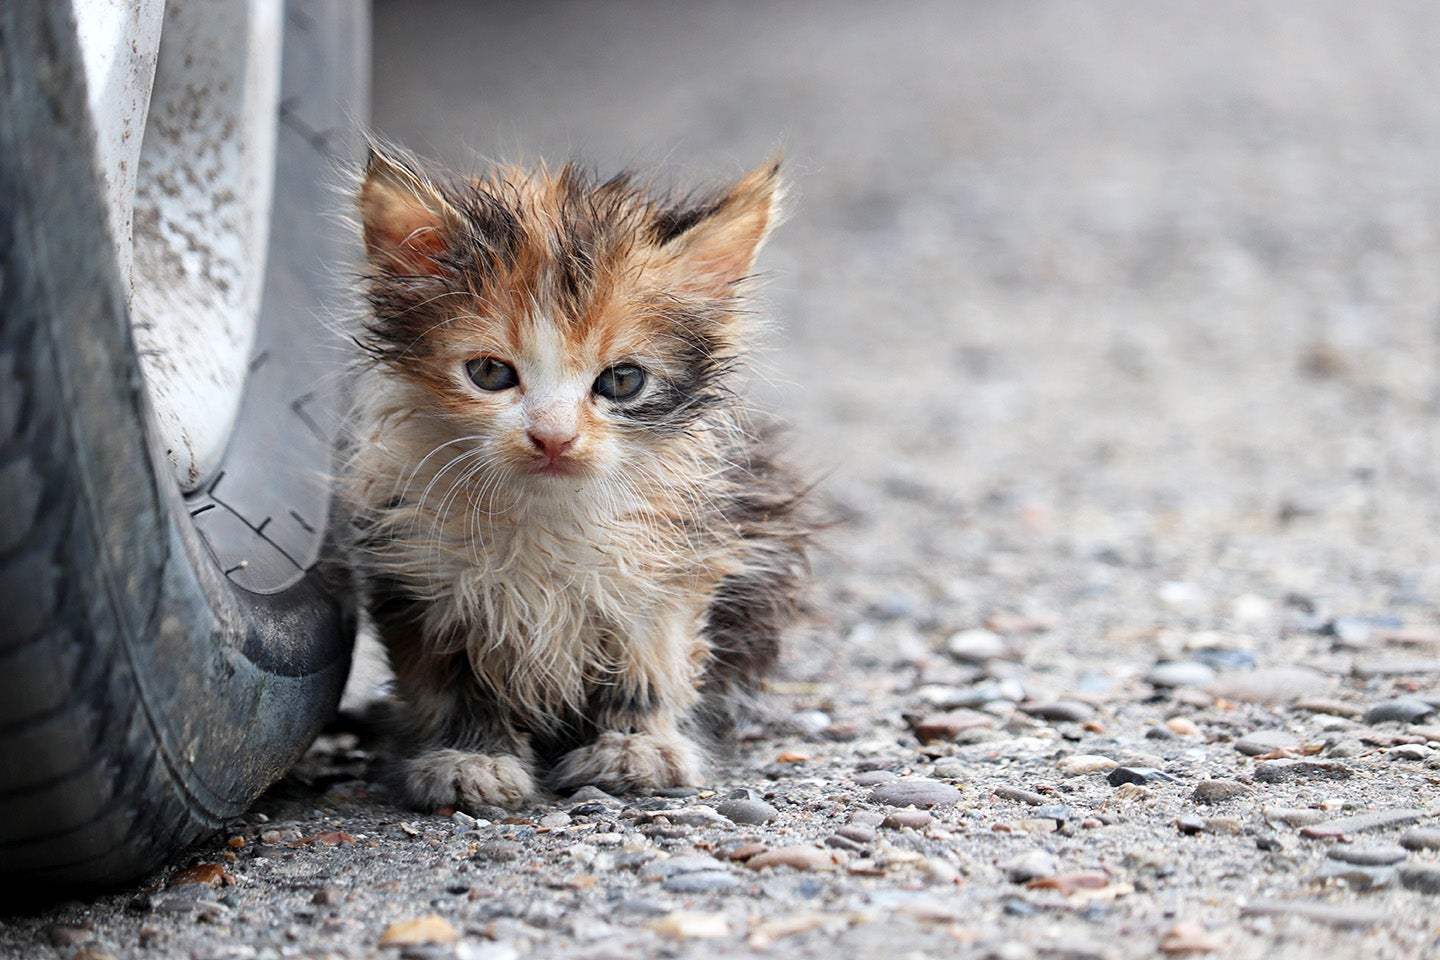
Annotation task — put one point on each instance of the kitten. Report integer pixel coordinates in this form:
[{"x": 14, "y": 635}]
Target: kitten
[{"x": 578, "y": 551}]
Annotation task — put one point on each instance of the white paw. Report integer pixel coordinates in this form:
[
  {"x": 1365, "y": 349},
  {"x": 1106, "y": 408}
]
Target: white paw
[
  {"x": 460, "y": 778},
  {"x": 637, "y": 761}
]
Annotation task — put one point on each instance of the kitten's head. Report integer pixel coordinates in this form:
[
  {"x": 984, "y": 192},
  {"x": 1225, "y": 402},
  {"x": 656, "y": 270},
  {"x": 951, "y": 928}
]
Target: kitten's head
[{"x": 567, "y": 326}]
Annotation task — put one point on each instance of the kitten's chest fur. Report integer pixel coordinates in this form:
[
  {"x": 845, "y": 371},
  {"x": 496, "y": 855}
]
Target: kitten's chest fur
[{"x": 547, "y": 603}]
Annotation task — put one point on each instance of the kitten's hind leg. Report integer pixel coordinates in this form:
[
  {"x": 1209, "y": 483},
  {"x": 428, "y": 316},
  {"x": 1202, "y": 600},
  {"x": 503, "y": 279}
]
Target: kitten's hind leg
[{"x": 446, "y": 777}]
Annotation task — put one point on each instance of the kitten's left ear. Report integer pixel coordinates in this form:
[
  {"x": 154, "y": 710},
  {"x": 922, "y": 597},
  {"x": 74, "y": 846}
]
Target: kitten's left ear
[
  {"x": 407, "y": 224},
  {"x": 717, "y": 247}
]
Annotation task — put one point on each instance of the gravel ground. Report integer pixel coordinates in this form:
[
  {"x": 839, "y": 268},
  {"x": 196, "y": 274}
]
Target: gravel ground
[{"x": 1114, "y": 331}]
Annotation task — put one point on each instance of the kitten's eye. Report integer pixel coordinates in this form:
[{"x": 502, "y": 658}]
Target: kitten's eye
[
  {"x": 620, "y": 382},
  {"x": 490, "y": 374}
]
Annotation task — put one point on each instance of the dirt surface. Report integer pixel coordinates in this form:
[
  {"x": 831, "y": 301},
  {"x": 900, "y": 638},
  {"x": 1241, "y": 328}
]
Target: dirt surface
[{"x": 1114, "y": 331}]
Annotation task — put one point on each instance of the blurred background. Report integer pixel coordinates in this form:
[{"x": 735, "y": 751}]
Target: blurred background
[{"x": 1125, "y": 313}]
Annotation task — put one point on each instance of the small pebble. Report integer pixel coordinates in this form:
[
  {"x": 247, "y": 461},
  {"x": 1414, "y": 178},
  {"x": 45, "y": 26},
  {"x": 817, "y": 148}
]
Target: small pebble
[
  {"x": 975, "y": 645},
  {"x": 748, "y": 812},
  {"x": 1399, "y": 710},
  {"x": 1421, "y": 877},
  {"x": 858, "y": 832},
  {"x": 1186, "y": 939},
  {"x": 593, "y": 794},
  {"x": 916, "y": 793},
  {"x": 1336, "y": 708},
  {"x": 1408, "y": 751},
  {"x": 950, "y": 768},
  {"x": 1262, "y": 742},
  {"x": 845, "y": 843},
  {"x": 1376, "y": 856},
  {"x": 1182, "y": 727},
  {"x": 1136, "y": 775},
  {"x": 1299, "y": 771},
  {"x": 1058, "y": 812},
  {"x": 1190, "y": 825},
  {"x": 1421, "y": 838},
  {"x": 1356, "y": 876},
  {"x": 1065, "y": 711},
  {"x": 1218, "y": 791},
  {"x": 940, "y": 872},
  {"x": 1363, "y": 822},
  {"x": 1182, "y": 673},
  {"x": 1083, "y": 763},
  {"x": 1030, "y": 865},
  {"x": 747, "y": 850},
  {"x": 872, "y": 777},
  {"x": 797, "y": 857},
  {"x": 696, "y": 816},
  {"x": 809, "y": 723},
  {"x": 913, "y": 819},
  {"x": 1006, "y": 792},
  {"x": 689, "y": 925},
  {"x": 499, "y": 850},
  {"x": 951, "y": 725}
]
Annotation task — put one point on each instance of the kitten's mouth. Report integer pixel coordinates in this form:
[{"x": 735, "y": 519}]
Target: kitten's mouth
[{"x": 561, "y": 467}]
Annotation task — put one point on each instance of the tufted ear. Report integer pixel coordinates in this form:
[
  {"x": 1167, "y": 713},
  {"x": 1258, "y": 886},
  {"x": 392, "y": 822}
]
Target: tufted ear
[
  {"x": 407, "y": 223},
  {"x": 716, "y": 242}
]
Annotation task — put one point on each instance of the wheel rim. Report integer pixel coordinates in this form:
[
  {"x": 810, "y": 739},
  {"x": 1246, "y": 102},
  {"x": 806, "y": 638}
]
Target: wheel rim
[{"x": 185, "y": 102}]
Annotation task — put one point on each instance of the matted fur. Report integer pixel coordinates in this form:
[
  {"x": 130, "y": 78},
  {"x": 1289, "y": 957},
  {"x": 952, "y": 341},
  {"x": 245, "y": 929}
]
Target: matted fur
[{"x": 563, "y": 578}]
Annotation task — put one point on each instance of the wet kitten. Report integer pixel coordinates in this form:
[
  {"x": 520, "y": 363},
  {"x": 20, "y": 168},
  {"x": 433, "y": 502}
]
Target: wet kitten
[{"x": 579, "y": 553}]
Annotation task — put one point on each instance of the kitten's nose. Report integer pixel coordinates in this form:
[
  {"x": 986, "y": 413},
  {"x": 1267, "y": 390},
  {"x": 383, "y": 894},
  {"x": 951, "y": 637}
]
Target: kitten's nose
[{"x": 553, "y": 443}]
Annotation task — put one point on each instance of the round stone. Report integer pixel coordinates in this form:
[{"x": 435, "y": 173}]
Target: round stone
[
  {"x": 1218, "y": 791},
  {"x": 913, "y": 819},
  {"x": 1083, "y": 763},
  {"x": 1399, "y": 710},
  {"x": 1380, "y": 855},
  {"x": 1421, "y": 838},
  {"x": 1422, "y": 878},
  {"x": 975, "y": 645},
  {"x": 795, "y": 857},
  {"x": 1181, "y": 673},
  {"x": 1030, "y": 865},
  {"x": 745, "y": 811},
  {"x": 1069, "y": 711},
  {"x": 915, "y": 793}
]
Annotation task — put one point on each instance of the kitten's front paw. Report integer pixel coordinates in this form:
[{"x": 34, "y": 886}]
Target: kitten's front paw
[
  {"x": 621, "y": 762},
  {"x": 460, "y": 778}
]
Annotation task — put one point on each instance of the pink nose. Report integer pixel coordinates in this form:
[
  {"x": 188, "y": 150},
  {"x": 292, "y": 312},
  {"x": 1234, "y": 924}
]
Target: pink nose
[{"x": 552, "y": 443}]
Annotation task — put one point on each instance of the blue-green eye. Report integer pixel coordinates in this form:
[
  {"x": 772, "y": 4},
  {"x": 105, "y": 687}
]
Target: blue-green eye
[
  {"x": 490, "y": 374},
  {"x": 620, "y": 382}
]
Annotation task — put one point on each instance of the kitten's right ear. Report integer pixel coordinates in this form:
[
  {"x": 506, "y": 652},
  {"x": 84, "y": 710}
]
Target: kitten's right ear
[{"x": 407, "y": 224}]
